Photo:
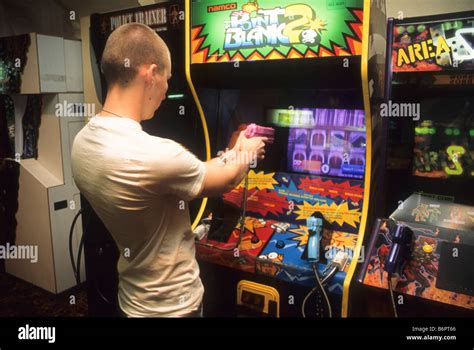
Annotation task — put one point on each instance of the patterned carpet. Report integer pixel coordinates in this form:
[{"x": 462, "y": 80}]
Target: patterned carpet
[{"x": 22, "y": 299}]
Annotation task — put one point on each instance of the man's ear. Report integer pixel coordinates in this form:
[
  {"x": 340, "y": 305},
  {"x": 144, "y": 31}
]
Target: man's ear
[
  {"x": 154, "y": 69},
  {"x": 145, "y": 74},
  {"x": 149, "y": 71}
]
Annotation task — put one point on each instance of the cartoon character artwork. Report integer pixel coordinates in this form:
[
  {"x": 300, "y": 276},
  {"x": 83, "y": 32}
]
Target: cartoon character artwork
[
  {"x": 281, "y": 256},
  {"x": 456, "y": 214},
  {"x": 241, "y": 248},
  {"x": 423, "y": 212},
  {"x": 250, "y": 239},
  {"x": 421, "y": 269},
  {"x": 174, "y": 15},
  {"x": 376, "y": 263},
  {"x": 309, "y": 36},
  {"x": 270, "y": 264},
  {"x": 250, "y": 7},
  {"x": 405, "y": 39},
  {"x": 434, "y": 214}
]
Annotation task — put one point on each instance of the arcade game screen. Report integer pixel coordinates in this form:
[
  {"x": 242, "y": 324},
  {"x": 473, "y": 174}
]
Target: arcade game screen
[
  {"x": 324, "y": 141},
  {"x": 444, "y": 139}
]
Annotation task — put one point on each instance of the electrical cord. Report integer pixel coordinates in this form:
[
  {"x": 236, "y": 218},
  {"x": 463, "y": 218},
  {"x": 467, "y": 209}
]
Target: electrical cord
[
  {"x": 329, "y": 275},
  {"x": 71, "y": 232},
  {"x": 316, "y": 275},
  {"x": 76, "y": 263},
  {"x": 79, "y": 253},
  {"x": 306, "y": 298},
  {"x": 244, "y": 209},
  {"x": 319, "y": 285},
  {"x": 96, "y": 285},
  {"x": 392, "y": 296},
  {"x": 81, "y": 247}
]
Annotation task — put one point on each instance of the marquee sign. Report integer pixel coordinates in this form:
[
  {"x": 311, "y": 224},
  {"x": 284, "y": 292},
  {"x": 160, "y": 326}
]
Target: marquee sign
[
  {"x": 436, "y": 46},
  {"x": 245, "y": 30}
]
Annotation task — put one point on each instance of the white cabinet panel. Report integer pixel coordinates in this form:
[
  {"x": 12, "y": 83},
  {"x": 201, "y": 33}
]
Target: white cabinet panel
[
  {"x": 52, "y": 67},
  {"x": 73, "y": 62}
]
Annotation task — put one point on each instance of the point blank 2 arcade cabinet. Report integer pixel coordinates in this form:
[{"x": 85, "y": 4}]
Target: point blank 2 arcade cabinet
[
  {"x": 425, "y": 250},
  {"x": 300, "y": 68},
  {"x": 177, "y": 119}
]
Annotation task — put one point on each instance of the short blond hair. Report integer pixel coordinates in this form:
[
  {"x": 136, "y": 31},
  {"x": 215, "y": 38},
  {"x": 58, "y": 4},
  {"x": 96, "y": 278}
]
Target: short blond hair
[{"x": 129, "y": 47}]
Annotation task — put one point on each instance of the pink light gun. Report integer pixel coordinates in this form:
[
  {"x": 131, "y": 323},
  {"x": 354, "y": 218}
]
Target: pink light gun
[{"x": 254, "y": 130}]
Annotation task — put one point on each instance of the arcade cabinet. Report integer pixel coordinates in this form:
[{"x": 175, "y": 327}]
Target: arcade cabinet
[
  {"x": 177, "y": 118},
  {"x": 422, "y": 244},
  {"x": 286, "y": 241}
]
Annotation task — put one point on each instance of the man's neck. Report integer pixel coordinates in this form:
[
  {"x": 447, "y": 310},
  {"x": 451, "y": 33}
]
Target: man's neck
[{"x": 124, "y": 103}]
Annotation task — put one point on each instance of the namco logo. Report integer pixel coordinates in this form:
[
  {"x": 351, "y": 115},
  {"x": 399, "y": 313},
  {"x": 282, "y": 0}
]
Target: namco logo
[{"x": 222, "y": 7}]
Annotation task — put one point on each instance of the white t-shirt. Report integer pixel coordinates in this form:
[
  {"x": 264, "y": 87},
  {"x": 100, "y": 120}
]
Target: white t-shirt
[{"x": 139, "y": 186}]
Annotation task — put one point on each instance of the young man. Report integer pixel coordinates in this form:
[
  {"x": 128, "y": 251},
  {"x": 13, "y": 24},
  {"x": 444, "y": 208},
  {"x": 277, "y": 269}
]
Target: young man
[{"x": 137, "y": 183}]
